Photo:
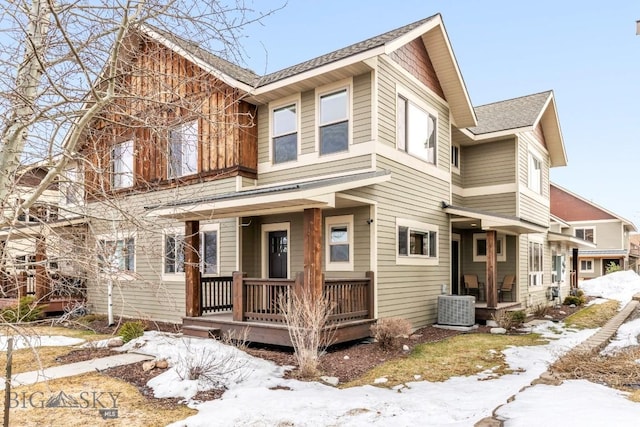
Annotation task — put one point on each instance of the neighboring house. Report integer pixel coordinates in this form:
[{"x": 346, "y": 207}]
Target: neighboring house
[
  {"x": 364, "y": 175},
  {"x": 609, "y": 233},
  {"x": 41, "y": 249}
]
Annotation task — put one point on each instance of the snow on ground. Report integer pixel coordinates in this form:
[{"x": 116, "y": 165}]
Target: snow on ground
[
  {"x": 21, "y": 341},
  {"x": 626, "y": 336},
  {"x": 621, "y": 286},
  {"x": 261, "y": 397}
]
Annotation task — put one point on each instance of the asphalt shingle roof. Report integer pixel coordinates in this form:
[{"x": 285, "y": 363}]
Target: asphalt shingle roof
[
  {"x": 509, "y": 114},
  {"x": 248, "y": 77}
]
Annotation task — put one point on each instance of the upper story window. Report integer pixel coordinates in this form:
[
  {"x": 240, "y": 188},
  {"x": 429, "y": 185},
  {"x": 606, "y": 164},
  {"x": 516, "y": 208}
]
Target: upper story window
[
  {"x": 586, "y": 233},
  {"x": 339, "y": 243},
  {"x": 285, "y": 133},
  {"x": 122, "y": 165},
  {"x": 535, "y": 174},
  {"x": 416, "y": 130},
  {"x": 183, "y": 150},
  {"x": 333, "y": 122},
  {"x": 455, "y": 158}
]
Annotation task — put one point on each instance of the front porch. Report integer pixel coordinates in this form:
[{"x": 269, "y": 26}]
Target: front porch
[
  {"x": 484, "y": 312},
  {"x": 238, "y": 306}
]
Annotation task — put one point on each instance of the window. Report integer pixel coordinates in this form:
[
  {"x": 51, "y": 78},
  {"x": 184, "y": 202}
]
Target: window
[
  {"x": 535, "y": 263},
  {"x": 480, "y": 247},
  {"x": 117, "y": 255},
  {"x": 334, "y": 122},
  {"x": 588, "y": 234},
  {"x": 416, "y": 130},
  {"x": 586, "y": 265},
  {"x": 25, "y": 262},
  {"x": 122, "y": 165},
  {"x": 183, "y": 150},
  {"x": 455, "y": 158},
  {"x": 209, "y": 249},
  {"x": 173, "y": 253},
  {"x": 535, "y": 174},
  {"x": 417, "y": 243},
  {"x": 285, "y": 134},
  {"x": 339, "y": 243}
]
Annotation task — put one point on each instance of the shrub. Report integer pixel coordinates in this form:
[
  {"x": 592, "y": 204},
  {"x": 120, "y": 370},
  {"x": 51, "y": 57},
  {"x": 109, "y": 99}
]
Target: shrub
[
  {"x": 307, "y": 319},
  {"x": 612, "y": 267},
  {"x": 25, "y": 311},
  {"x": 577, "y": 300},
  {"x": 541, "y": 310},
  {"x": 387, "y": 331},
  {"x": 131, "y": 330},
  {"x": 212, "y": 368},
  {"x": 510, "y": 319}
]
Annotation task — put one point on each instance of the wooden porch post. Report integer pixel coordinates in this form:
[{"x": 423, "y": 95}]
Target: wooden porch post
[
  {"x": 238, "y": 297},
  {"x": 22, "y": 284},
  {"x": 312, "y": 251},
  {"x": 370, "y": 302},
  {"x": 42, "y": 279},
  {"x": 575, "y": 264},
  {"x": 192, "y": 268},
  {"x": 491, "y": 290}
]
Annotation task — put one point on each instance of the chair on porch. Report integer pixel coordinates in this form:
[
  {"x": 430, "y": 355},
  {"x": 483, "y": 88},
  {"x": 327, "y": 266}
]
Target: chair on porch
[
  {"x": 507, "y": 287},
  {"x": 471, "y": 285}
]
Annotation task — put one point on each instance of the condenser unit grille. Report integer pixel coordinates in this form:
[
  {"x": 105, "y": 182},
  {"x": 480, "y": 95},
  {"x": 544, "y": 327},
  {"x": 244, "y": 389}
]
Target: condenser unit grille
[{"x": 456, "y": 310}]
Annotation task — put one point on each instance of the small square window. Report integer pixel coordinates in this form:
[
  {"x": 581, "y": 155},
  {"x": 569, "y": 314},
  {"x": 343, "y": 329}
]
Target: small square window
[
  {"x": 480, "y": 248},
  {"x": 416, "y": 242},
  {"x": 588, "y": 234},
  {"x": 339, "y": 243},
  {"x": 117, "y": 255}
]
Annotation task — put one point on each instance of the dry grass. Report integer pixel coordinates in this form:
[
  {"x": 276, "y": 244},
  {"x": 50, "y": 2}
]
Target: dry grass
[
  {"x": 619, "y": 370},
  {"x": 133, "y": 408},
  {"x": 461, "y": 355},
  {"x": 594, "y": 316}
]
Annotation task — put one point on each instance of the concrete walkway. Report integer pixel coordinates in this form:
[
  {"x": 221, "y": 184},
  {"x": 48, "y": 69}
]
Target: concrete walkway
[
  {"x": 594, "y": 343},
  {"x": 71, "y": 369}
]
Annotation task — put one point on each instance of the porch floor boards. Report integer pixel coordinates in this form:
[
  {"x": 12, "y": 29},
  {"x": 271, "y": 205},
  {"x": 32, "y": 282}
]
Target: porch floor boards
[
  {"x": 267, "y": 332},
  {"x": 485, "y": 313}
]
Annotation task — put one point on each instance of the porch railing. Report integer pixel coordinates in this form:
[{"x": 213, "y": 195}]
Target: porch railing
[
  {"x": 55, "y": 286},
  {"x": 259, "y": 299},
  {"x": 216, "y": 294}
]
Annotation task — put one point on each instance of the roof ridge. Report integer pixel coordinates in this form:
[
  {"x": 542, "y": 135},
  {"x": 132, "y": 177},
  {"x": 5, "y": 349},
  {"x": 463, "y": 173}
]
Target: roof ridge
[{"x": 549, "y": 91}]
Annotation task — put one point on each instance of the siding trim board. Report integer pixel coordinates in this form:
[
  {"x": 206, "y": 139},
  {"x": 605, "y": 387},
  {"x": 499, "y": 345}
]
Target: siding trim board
[{"x": 484, "y": 191}]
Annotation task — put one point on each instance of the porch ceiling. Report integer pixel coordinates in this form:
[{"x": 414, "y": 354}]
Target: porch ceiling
[
  {"x": 293, "y": 197},
  {"x": 473, "y": 218}
]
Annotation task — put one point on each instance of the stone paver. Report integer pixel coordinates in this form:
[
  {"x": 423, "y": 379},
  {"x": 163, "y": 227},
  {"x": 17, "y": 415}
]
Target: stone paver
[{"x": 71, "y": 369}]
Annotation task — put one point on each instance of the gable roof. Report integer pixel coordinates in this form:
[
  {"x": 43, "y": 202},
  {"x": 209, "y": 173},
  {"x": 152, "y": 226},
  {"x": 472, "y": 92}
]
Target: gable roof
[
  {"x": 571, "y": 207},
  {"x": 431, "y": 30},
  {"x": 522, "y": 114}
]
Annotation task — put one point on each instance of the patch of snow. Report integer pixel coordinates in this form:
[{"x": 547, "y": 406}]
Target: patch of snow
[
  {"x": 22, "y": 341},
  {"x": 381, "y": 380},
  {"x": 627, "y": 336}
]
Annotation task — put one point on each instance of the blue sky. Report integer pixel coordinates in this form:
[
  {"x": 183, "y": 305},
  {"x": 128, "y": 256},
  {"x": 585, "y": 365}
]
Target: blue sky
[{"x": 586, "y": 51}]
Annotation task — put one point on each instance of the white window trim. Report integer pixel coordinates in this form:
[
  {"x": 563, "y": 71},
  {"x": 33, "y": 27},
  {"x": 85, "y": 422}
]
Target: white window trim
[
  {"x": 170, "y": 277},
  {"x": 290, "y": 100},
  {"x": 417, "y": 259},
  {"x": 133, "y": 164},
  {"x": 183, "y": 125},
  {"x": 500, "y": 256},
  {"x": 204, "y": 229},
  {"x": 456, "y": 168},
  {"x": 417, "y": 101},
  {"x": 265, "y": 229},
  {"x": 536, "y": 156},
  {"x": 575, "y": 229},
  {"x": 325, "y": 90},
  {"x": 592, "y": 261},
  {"x": 124, "y": 275},
  {"x": 338, "y": 220},
  {"x": 539, "y": 274}
]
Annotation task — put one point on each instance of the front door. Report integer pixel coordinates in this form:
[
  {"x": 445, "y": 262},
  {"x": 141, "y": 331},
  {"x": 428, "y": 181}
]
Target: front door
[{"x": 278, "y": 254}]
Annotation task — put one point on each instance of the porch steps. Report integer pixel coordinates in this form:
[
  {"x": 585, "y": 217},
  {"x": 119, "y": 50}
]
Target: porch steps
[{"x": 200, "y": 331}]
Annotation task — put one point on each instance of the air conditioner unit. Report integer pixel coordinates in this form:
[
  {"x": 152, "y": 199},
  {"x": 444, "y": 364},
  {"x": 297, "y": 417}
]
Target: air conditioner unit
[{"x": 456, "y": 310}]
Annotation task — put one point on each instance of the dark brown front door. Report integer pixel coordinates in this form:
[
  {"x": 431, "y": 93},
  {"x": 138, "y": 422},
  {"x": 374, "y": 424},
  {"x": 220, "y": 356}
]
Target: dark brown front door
[{"x": 278, "y": 254}]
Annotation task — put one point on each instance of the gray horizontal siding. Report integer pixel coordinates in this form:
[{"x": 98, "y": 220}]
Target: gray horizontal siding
[
  {"x": 504, "y": 203},
  {"x": 488, "y": 164},
  {"x": 316, "y": 170}
]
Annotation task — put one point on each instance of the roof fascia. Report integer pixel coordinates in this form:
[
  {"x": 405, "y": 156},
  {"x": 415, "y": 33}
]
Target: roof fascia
[
  {"x": 552, "y": 131},
  {"x": 496, "y": 134}
]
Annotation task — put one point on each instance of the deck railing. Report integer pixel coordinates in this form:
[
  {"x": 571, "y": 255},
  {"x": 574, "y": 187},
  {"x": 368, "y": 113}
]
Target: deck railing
[
  {"x": 216, "y": 294},
  {"x": 56, "y": 286},
  {"x": 259, "y": 299}
]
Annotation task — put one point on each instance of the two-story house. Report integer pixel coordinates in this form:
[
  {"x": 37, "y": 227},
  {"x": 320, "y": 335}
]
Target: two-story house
[
  {"x": 364, "y": 175},
  {"x": 608, "y": 232}
]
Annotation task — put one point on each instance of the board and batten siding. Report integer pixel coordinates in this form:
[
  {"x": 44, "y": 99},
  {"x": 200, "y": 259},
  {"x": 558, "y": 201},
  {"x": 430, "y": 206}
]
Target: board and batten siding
[
  {"x": 149, "y": 294},
  {"x": 491, "y": 163}
]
